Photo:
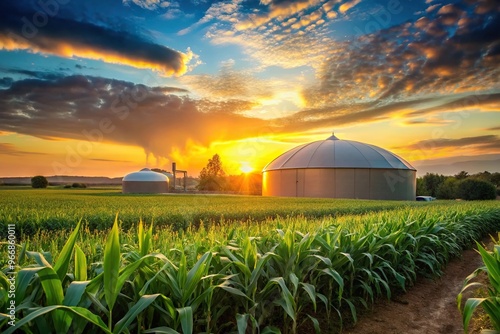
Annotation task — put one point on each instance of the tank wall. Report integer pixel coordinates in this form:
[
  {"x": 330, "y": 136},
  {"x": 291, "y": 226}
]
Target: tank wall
[
  {"x": 359, "y": 183},
  {"x": 144, "y": 187}
]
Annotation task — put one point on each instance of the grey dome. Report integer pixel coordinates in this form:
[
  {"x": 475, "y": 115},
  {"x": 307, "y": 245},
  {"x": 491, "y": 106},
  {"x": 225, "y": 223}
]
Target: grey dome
[
  {"x": 145, "y": 175},
  {"x": 336, "y": 153}
]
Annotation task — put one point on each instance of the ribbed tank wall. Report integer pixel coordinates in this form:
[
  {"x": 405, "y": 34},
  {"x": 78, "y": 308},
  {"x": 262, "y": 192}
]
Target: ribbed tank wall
[
  {"x": 361, "y": 183},
  {"x": 144, "y": 187}
]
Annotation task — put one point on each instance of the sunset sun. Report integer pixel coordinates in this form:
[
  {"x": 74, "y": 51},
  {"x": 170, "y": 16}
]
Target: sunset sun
[{"x": 246, "y": 168}]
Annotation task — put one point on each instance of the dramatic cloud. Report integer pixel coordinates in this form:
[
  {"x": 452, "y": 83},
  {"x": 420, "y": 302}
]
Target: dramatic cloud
[
  {"x": 277, "y": 8},
  {"x": 428, "y": 111},
  {"x": 6, "y": 82},
  {"x": 229, "y": 84},
  {"x": 99, "y": 109},
  {"x": 450, "y": 52},
  {"x": 66, "y": 37},
  {"x": 152, "y": 4},
  {"x": 348, "y": 5},
  {"x": 33, "y": 74},
  {"x": 480, "y": 143}
]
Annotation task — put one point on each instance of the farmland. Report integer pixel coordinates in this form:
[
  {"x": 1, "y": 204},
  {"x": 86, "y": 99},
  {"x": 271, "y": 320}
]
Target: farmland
[{"x": 222, "y": 263}]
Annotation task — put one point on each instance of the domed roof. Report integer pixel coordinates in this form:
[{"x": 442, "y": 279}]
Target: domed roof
[
  {"x": 146, "y": 175},
  {"x": 336, "y": 153}
]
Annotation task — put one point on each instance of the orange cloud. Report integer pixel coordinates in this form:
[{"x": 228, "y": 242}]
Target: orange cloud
[
  {"x": 284, "y": 9},
  {"x": 348, "y": 5}
]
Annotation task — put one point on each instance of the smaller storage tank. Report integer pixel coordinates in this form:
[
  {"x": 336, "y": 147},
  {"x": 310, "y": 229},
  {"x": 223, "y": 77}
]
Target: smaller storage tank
[{"x": 145, "y": 181}]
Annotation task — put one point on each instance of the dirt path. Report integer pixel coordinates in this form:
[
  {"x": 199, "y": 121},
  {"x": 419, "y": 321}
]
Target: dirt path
[{"x": 428, "y": 307}]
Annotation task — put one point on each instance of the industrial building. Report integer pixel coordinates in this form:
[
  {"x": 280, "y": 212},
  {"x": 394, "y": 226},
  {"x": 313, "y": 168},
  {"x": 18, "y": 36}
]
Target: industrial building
[
  {"x": 145, "y": 181},
  {"x": 337, "y": 168}
]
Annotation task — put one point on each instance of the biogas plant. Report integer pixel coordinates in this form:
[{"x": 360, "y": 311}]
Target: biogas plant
[
  {"x": 335, "y": 168},
  {"x": 330, "y": 168}
]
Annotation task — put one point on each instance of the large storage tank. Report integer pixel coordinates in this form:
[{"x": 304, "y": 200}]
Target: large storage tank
[
  {"x": 145, "y": 181},
  {"x": 340, "y": 169}
]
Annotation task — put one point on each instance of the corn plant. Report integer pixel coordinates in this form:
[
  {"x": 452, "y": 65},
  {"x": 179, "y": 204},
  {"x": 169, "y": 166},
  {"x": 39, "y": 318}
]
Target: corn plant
[{"x": 490, "y": 304}]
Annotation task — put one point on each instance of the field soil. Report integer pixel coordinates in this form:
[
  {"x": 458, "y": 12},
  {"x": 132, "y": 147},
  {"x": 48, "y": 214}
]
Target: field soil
[{"x": 428, "y": 307}]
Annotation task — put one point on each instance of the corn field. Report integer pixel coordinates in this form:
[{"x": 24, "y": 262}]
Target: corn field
[
  {"x": 34, "y": 210},
  {"x": 273, "y": 275}
]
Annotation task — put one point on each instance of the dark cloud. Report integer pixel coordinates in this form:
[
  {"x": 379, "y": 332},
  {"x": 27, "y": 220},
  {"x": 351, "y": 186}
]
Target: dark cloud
[
  {"x": 496, "y": 128},
  {"x": 68, "y": 37},
  {"x": 95, "y": 108},
  {"x": 34, "y": 74},
  {"x": 479, "y": 142},
  {"x": 6, "y": 81}
]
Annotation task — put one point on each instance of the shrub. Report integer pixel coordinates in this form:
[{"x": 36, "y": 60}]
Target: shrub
[
  {"x": 448, "y": 189},
  {"x": 79, "y": 185},
  {"x": 473, "y": 189},
  {"x": 39, "y": 182},
  {"x": 66, "y": 186}
]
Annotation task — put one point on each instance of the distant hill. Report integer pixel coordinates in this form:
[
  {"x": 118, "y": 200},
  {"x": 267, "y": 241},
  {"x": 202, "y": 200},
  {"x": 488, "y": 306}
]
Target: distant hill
[
  {"x": 452, "y": 166},
  {"x": 60, "y": 179}
]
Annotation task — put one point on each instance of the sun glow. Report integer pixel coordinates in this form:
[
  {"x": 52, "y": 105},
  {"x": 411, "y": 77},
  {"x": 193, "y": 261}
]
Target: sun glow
[{"x": 246, "y": 168}]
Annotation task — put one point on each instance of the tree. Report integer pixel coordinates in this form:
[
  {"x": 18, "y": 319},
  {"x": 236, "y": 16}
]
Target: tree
[
  {"x": 462, "y": 175},
  {"x": 39, "y": 181},
  {"x": 212, "y": 177},
  {"x": 448, "y": 189},
  {"x": 474, "y": 189},
  {"x": 431, "y": 182},
  {"x": 421, "y": 189}
]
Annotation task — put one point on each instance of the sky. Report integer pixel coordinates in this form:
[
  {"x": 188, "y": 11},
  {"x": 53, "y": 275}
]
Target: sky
[{"x": 103, "y": 88}]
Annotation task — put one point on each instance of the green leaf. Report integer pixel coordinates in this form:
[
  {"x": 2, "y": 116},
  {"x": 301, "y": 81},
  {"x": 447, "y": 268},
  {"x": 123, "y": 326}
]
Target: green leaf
[
  {"x": 469, "y": 308},
  {"x": 242, "y": 323},
  {"x": 311, "y": 292},
  {"x": 162, "y": 330},
  {"x": 79, "y": 311},
  {"x": 186, "y": 317},
  {"x": 111, "y": 265},
  {"x": 80, "y": 265},
  {"x": 315, "y": 322},
  {"x": 196, "y": 273},
  {"x": 74, "y": 293},
  {"x": 62, "y": 263},
  {"x": 286, "y": 301},
  {"x": 23, "y": 280},
  {"x": 54, "y": 294},
  {"x": 271, "y": 330},
  {"x": 134, "y": 311},
  {"x": 39, "y": 259}
]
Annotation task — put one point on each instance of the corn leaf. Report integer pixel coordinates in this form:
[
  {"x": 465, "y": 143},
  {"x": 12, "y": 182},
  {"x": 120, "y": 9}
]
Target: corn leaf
[
  {"x": 80, "y": 265},
  {"x": 79, "y": 311},
  {"x": 74, "y": 293},
  {"x": 162, "y": 330},
  {"x": 62, "y": 263},
  {"x": 186, "y": 317},
  {"x": 111, "y": 265},
  {"x": 134, "y": 311}
]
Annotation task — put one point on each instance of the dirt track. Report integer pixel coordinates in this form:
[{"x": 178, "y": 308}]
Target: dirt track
[{"x": 427, "y": 308}]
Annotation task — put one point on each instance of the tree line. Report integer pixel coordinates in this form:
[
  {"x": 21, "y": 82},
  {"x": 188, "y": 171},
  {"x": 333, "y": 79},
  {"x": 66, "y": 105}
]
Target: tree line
[
  {"x": 213, "y": 178},
  {"x": 484, "y": 185}
]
